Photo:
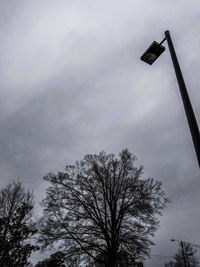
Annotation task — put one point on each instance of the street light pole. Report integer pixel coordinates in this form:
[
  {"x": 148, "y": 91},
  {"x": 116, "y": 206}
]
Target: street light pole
[
  {"x": 182, "y": 250},
  {"x": 150, "y": 56},
  {"x": 194, "y": 129},
  {"x": 183, "y": 253}
]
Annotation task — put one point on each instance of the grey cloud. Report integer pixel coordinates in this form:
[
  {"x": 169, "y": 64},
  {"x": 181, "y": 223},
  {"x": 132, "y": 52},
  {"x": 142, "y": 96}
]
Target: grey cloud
[{"x": 72, "y": 83}]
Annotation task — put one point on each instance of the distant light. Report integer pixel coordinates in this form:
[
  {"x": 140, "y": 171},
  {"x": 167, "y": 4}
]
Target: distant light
[{"x": 152, "y": 53}]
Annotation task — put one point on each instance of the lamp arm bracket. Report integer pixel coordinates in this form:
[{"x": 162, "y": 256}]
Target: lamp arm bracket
[{"x": 162, "y": 41}]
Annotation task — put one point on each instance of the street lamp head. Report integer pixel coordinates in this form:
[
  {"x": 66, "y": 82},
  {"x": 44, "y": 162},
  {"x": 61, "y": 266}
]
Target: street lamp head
[{"x": 152, "y": 53}]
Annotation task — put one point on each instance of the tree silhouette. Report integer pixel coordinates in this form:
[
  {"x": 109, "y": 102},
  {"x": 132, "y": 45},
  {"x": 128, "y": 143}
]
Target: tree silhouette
[
  {"x": 101, "y": 208},
  {"x": 16, "y": 226}
]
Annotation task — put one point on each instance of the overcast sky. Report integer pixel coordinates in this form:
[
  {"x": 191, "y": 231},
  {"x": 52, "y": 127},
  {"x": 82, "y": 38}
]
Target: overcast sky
[{"x": 72, "y": 83}]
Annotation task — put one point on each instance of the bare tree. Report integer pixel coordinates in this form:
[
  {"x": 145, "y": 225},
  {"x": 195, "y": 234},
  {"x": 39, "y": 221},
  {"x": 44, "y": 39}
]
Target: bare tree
[
  {"x": 16, "y": 226},
  {"x": 101, "y": 208}
]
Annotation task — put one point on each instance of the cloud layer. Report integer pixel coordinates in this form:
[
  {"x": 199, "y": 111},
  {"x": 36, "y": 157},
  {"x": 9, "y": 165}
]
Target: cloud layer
[{"x": 72, "y": 83}]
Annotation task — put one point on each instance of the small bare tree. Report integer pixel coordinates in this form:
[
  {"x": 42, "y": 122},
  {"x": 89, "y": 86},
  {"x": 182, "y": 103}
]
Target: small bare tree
[{"x": 16, "y": 226}]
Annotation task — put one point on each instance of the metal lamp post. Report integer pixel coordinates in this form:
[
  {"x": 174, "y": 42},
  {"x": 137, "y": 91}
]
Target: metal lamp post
[
  {"x": 150, "y": 56},
  {"x": 183, "y": 252}
]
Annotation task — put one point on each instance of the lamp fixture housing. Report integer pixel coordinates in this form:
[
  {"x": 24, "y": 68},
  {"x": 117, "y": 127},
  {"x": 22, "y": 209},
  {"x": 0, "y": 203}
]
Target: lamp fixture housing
[{"x": 152, "y": 53}]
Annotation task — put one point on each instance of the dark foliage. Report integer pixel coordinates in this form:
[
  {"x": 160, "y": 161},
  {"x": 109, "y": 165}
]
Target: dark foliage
[
  {"x": 16, "y": 226},
  {"x": 102, "y": 210}
]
